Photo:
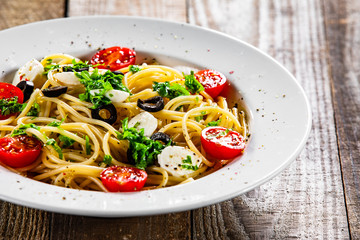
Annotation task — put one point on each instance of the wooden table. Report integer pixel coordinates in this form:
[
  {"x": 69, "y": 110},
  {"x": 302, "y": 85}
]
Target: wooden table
[{"x": 317, "y": 197}]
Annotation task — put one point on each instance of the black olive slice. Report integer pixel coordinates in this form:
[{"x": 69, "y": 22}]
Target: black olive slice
[
  {"x": 27, "y": 87},
  {"x": 153, "y": 104},
  {"x": 161, "y": 137},
  {"x": 96, "y": 113},
  {"x": 118, "y": 73},
  {"x": 54, "y": 91}
]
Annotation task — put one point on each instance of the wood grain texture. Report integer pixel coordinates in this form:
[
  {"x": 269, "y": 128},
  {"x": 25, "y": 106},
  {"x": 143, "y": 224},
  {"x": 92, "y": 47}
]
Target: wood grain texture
[
  {"x": 18, "y": 222},
  {"x": 170, "y": 10},
  {"x": 342, "y": 25},
  {"x": 169, "y": 226},
  {"x": 17, "y": 12},
  {"x": 306, "y": 200}
]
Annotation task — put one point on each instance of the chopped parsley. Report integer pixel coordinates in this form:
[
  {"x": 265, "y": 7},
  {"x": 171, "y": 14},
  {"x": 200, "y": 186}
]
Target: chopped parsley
[
  {"x": 9, "y": 106},
  {"x": 165, "y": 89},
  {"x": 143, "y": 150},
  {"x": 50, "y": 66},
  {"x": 66, "y": 141},
  {"x": 53, "y": 143},
  {"x": 107, "y": 159},
  {"x": 188, "y": 164},
  {"x": 214, "y": 123},
  {"x": 34, "y": 110},
  {"x": 198, "y": 118},
  {"x": 22, "y": 129},
  {"x": 103, "y": 83},
  {"x": 135, "y": 68},
  {"x": 193, "y": 85},
  {"x": 56, "y": 123},
  {"x": 77, "y": 66},
  {"x": 187, "y": 160}
]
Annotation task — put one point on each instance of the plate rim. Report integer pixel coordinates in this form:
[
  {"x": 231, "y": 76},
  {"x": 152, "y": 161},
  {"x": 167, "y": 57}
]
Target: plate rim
[{"x": 124, "y": 213}]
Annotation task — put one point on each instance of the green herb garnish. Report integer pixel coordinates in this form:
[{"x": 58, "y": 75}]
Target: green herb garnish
[
  {"x": 107, "y": 159},
  {"x": 103, "y": 83},
  {"x": 56, "y": 123},
  {"x": 143, "y": 150},
  {"x": 193, "y": 85},
  {"x": 165, "y": 89},
  {"x": 188, "y": 164},
  {"x": 187, "y": 160},
  {"x": 214, "y": 123},
  {"x": 22, "y": 129},
  {"x": 135, "y": 68},
  {"x": 34, "y": 110},
  {"x": 77, "y": 66},
  {"x": 198, "y": 118},
  {"x": 53, "y": 143},
  {"x": 9, "y": 106},
  {"x": 66, "y": 141},
  {"x": 50, "y": 66}
]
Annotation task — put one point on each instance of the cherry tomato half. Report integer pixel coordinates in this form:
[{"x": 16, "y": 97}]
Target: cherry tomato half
[
  {"x": 19, "y": 151},
  {"x": 123, "y": 179},
  {"x": 114, "y": 58},
  {"x": 213, "y": 81},
  {"x": 222, "y": 143},
  {"x": 9, "y": 91}
]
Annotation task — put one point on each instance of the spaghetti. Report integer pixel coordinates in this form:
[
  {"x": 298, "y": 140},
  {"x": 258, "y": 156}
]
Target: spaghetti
[{"x": 77, "y": 148}]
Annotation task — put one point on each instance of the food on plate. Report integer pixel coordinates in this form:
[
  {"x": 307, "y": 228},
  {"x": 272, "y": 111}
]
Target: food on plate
[{"x": 111, "y": 124}]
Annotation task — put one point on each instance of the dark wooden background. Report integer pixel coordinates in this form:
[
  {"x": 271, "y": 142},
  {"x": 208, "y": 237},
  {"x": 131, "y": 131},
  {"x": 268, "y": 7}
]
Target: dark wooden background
[{"x": 317, "y": 197}]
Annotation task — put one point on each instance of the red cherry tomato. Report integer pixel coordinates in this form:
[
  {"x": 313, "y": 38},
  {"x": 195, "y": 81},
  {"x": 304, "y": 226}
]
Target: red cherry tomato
[
  {"x": 9, "y": 91},
  {"x": 213, "y": 81},
  {"x": 19, "y": 151},
  {"x": 123, "y": 179},
  {"x": 114, "y": 58},
  {"x": 222, "y": 143}
]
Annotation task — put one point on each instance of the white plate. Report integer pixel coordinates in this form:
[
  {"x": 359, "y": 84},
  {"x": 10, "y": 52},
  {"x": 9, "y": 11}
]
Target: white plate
[{"x": 280, "y": 113}]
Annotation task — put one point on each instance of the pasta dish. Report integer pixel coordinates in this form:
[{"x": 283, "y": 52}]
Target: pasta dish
[{"x": 111, "y": 124}]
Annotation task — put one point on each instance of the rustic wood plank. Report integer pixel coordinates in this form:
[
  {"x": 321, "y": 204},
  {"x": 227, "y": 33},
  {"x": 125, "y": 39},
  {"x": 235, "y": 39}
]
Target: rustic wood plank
[
  {"x": 342, "y": 28},
  {"x": 22, "y": 223},
  {"x": 16, "y": 221},
  {"x": 306, "y": 200},
  {"x": 169, "y": 226},
  {"x": 17, "y": 12},
  {"x": 170, "y": 10}
]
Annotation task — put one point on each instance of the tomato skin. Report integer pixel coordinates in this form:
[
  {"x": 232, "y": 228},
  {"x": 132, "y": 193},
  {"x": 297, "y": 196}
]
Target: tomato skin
[
  {"x": 123, "y": 179},
  {"x": 19, "y": 151},
  {"x": 213, "y": 81},
  {"x": 114, "y": 58},
  {"x": 8, "y": 91},
  {"x": 221, "y": 145}
]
